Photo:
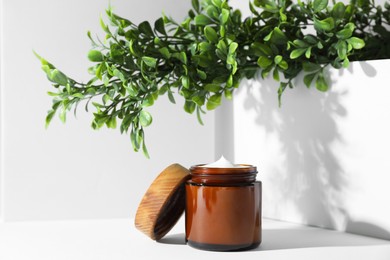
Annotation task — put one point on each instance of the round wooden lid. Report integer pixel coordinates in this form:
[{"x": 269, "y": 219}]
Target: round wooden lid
[{"x": 163, "y": 203}]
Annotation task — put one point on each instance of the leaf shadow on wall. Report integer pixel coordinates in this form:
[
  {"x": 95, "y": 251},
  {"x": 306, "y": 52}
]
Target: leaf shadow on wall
[
  {"x": 312, "y": 179},
  {"x": 306, "y": 128}
]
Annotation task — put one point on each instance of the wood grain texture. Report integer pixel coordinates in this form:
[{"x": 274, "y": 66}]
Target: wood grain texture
[{"x": 163, "y": 203}]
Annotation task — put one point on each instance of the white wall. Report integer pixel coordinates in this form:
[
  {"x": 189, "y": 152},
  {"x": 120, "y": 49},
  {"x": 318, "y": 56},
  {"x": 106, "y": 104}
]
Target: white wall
[
  {"x": 322, "y": 157},
  {"x": 70, "y": 171}
]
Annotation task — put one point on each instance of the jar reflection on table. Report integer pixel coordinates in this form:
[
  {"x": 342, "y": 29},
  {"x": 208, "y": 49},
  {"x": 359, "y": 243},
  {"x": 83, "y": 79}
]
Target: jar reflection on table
[{"x": 223, "y": 208}]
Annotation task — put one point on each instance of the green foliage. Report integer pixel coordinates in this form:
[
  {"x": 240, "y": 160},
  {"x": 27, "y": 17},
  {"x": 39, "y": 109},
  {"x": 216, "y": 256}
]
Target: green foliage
[{"x": 204, "y": 57}]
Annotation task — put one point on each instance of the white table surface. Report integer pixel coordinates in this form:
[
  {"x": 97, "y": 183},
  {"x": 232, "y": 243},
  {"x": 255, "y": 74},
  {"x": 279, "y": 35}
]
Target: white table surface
[{"x": 118, "y": 239}]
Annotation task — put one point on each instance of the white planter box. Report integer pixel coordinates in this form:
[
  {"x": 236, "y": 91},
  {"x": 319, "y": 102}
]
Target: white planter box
[{"x": 323, "y": 157}]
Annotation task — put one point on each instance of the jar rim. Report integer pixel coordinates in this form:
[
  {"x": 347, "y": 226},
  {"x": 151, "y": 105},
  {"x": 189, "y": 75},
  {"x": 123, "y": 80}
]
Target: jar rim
[{"x": 199, "y": 169}]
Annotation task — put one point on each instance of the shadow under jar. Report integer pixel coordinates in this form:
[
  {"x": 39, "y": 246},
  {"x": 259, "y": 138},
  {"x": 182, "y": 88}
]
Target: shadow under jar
[{"x": 223, "y": 208}]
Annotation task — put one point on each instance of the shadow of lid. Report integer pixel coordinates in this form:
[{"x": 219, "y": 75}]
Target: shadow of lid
[{"x": 174, "y": 239}]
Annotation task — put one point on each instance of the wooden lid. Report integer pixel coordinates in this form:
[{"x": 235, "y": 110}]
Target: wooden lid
[{"x": 163, "y": 203}]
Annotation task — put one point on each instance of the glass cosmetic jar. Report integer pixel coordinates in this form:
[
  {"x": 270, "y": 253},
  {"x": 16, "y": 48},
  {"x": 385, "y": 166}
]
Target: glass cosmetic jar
[{"x": 223, "y": 208}]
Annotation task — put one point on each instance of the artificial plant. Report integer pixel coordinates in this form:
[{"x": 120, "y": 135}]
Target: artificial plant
[{"x": 204, "y": 57}]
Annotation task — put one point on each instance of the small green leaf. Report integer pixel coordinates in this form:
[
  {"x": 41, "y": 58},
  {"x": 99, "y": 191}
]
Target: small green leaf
[
  {"x": 319, "y": 5},
  {"x": 224, "y": 16},
  {"x": 59, "y": 77},
  {"x": 195, "y": 5},
  {"x": 275, "y": 75},
  {"x": 211, "y": 34},
  {"x": 189, "y": 106},
  {"x": 344, "y": 33},
  {"x": 321, "y": 84},
  {"x": 308, "y": 79},
  {"x": 342, "y": 50},
  {"x": 338, "y": 10},
  {"x": 159, "y": 26},
  {"x": 165, "y": 52},
  {"x": 95, "y": 56},
  {"x": 49, "y": 117},
  {"x": 148, "y": 101},
  {"x": 202, "y": 75},
  {"x": 278, "y": 59},
  {"x": 78, "y": 95},
  {"x": 185, "y": 81},
  {"x": 283, "y": 65},
  {"x": 199, "y": 100},
  {"x": 297, "y": 53},
  {"x": 171, "y": 97},
  {"x": 212, "y": 87},
  {"x": 356, "y": 42},
  {"x": 145, "y": 28},
  {"x": 149, "y": 61},
  {"x": 144, "y": 149},
  {"x": 308, "y": 53},
  {"x": 309, "y": 67},
  {"x": 214, "y": 101},
  {"x": 145, "y": 118},
  {"x": 201, "y": 19},
  {"x": 325, "y": 25},
  {"x": 264, "y": 62},
  {"x": 233, "y": 47},
  {"x": 198, "y": 111}
]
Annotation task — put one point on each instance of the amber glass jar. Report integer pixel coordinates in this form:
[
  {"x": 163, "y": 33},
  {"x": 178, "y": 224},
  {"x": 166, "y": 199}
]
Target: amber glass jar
[{"x": 223, "y": 208}]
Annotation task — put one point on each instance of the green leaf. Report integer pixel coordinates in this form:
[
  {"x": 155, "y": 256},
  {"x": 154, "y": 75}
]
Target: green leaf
[
  {"x": 308, "y": 79},
  {"x": 201, "y": 19},
  {"x": 195, "y": 5},
  {"x": 145, "y": 28},
  {"x": 202, "y": 75},
  {"x": 261, "y": 49},
  {"x": 342, "y": 50},
  {"x": 111, "y": 122},
  {"x": 199, "y": 100},
  {"x": 325, "y": 25},
  {"x": 224, "y": 16},
  {"x": 49, "y": 117},
  {"x": 275, "y": 75},
  {"x": 214, "y": 101},
  {"x": 59, "y": 77},
  {"x": 165, "y": 52},
  {"x": 264, "y": 62},
  {"x": 134, "y": 139},
  {"x": 281, "y": 89},
  {"x": 189, "y": 106},
  {"x": 319, "y": 5},
  {"x": 145, "y": 118},
  {"x": 144, "y": 149},
  {"x": 278, "y": 37},
  {"x": 198, "y": 111},
  {"x": 171, "y": 97},
  {"x": 233, "y": 47},
  {"x": 308, "y": 53},
  {"x": 212, "y": 87},
  {"x": 278, "y": 59},
  {"x": 338, "y": 10},
  {"x": 356, "y": 42},
  {"x": 283, "y": 65},
  {"x": 148, "y": 101},
  {"x": 310, "y": 67},
  {"x": 297, "y": 53},
  {"x": 149, "y": 61},
  {"x": 210, "y": 34},
  {"x": 95, "y": 56},
  {"x": 344, "y": 33},
  {"x": 185, "y": 81},
  {"x": 321, "y": 84},
  {"x": 181, "y": 56},
  {"x": 159, "y": 26}
]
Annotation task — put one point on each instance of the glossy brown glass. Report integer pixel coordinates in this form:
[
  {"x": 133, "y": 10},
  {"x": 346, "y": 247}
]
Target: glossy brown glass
[{"x": 223, "y": 208}]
